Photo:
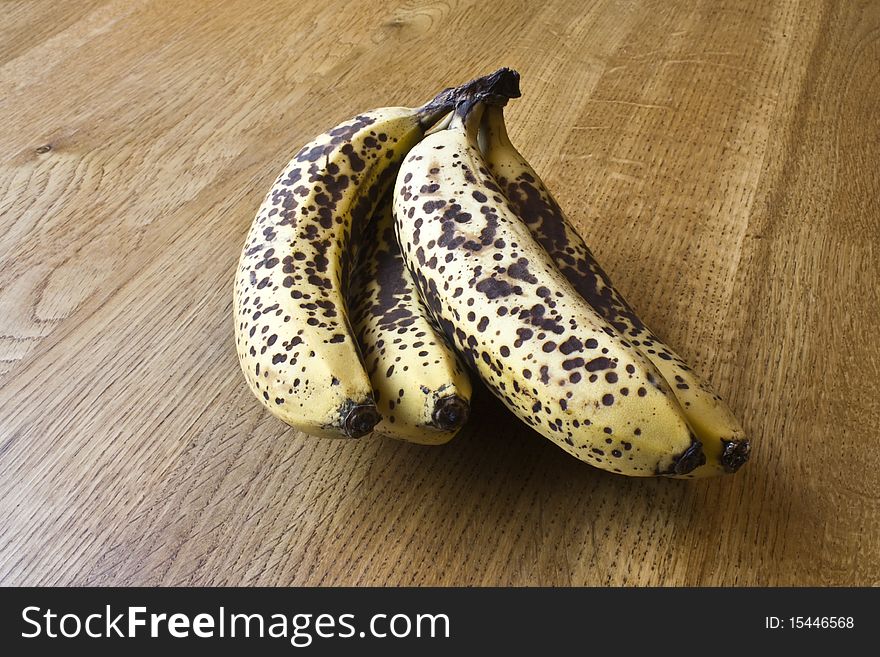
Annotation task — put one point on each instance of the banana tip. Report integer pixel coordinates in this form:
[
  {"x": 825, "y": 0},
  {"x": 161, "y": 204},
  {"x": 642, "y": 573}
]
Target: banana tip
[
  {"x": 690, "y": 459},
  {"x": 360, "y": 420},
  {"x": 451, "y": 412},
  {"x": 735, "y": 454}
]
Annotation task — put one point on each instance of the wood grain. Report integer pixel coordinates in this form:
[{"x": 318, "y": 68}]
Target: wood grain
[{"x": 720, "y": 157}]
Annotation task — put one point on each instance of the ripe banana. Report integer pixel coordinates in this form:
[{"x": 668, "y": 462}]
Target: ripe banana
[
  {"x": 291, "y": 327},
  {"x": 536, "y": 343},
  {"x": 723, "y": 438},
  {"x": 422, "y": 391}
]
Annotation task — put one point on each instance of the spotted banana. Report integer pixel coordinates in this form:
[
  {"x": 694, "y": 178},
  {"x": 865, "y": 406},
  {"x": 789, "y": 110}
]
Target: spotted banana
[
  {"x": 723, "y": 438},
  {"x": 421, "y": 389},
  {"x": 500, "y": 299}
]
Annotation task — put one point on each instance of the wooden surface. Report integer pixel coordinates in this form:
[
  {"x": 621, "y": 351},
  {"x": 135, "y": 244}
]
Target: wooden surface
[{"x": 721, "y": 158}]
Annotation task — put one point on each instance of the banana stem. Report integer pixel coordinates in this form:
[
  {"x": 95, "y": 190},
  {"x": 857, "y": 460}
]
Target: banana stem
[
  {"x": 494, "y": 128},
  {"x": 496, "y": 87},
  {"x": 467, "y": 117},
  {"x": 442, "y": 124},
  {"x": 431, "y": 113}
]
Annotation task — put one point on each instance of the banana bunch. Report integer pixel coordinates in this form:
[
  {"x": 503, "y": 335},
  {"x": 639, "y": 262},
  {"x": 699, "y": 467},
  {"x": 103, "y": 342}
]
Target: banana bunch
[{"x": 406, "y": 243}]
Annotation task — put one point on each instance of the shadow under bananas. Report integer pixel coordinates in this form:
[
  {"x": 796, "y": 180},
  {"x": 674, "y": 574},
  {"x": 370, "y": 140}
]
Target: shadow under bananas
[{"x": 501, "y": 505}]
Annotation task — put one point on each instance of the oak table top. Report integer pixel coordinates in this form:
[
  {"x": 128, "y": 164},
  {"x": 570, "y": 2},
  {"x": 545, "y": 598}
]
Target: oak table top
[{"x": 721, "y": 158}]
